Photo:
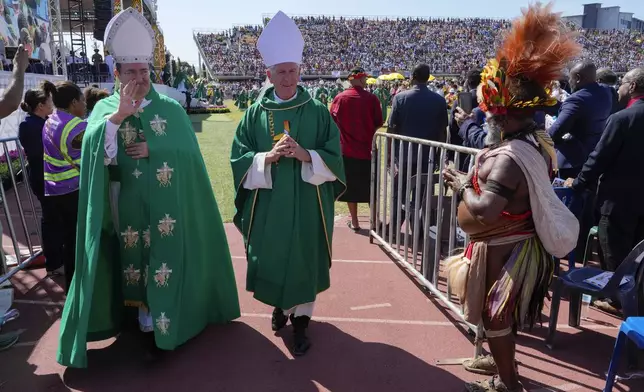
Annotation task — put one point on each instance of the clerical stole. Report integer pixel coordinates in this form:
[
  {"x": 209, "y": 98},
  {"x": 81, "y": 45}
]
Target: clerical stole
[
  {"x": 148, "y": 212},
  {"x": 134, "y": 215}
]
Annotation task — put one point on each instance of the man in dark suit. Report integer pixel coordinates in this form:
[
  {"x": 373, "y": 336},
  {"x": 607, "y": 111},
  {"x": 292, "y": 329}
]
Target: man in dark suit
[
  {"x": 618, "y": 160},
  {"x": 578, "y": 128},
  {"x": 606, "y": 77},
  {"x": 420, "y": 113},
  {"x": 581, "y": 119}
]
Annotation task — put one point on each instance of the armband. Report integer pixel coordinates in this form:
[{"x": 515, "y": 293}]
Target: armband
[{"x": 499, "y": 189}]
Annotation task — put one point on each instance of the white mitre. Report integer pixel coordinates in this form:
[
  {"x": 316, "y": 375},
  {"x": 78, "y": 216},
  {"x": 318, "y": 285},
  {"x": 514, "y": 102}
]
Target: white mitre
[
  {"x": 281, "y": 41},
  {"x": 129, "y": 38}
]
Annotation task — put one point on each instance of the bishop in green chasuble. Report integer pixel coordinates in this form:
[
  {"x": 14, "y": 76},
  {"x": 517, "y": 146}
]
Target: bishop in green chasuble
[
  {"x": 285, "y": 210},
  {"x": 286, "y": 213},
  {"x": 159, "y": 244},
  {"x": 149, "y": 232}
]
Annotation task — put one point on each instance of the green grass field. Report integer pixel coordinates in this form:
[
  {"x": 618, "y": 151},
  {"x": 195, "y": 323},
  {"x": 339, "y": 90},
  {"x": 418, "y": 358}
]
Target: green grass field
[{"x": 215, "y": 139}]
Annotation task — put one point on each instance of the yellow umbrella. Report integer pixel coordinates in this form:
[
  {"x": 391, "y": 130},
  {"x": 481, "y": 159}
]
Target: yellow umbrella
[
  {"x": 432, "y": 78},
  {"x": 384, "y": 77},
  {"x": 371, "y": 81},
  {"x": 396, "y": 75}
]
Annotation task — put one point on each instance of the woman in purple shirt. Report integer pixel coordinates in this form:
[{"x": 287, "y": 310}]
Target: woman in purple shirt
[{"x": 62, "y": 136}]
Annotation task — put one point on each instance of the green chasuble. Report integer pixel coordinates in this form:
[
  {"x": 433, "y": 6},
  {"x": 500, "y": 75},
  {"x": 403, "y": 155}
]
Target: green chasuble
[
  {"x": 334, "y": 93},
  {"x": 242, "y": 100},
  {"x": 169, "y": 253},
  {"x": 254, "y": 93},
  {"x": 288, "y": 229},
  {"x": 322, "y": 95},
  {"x": 219, "y": 97}
]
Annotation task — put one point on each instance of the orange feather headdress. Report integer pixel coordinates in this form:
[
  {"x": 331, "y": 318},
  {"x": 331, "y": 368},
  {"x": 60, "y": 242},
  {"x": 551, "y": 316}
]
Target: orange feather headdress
[{"x": 534, "y": 53}]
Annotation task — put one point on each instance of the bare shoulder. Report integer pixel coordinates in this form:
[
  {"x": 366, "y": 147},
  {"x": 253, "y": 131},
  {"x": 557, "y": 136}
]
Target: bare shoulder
[{"x": 503, "y": 170}]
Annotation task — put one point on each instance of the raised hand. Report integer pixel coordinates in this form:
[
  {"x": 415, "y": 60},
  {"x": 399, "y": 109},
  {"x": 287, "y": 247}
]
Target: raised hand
[
  {"x": 21, "y": 60},
  {"x": 127, "y": 104}
]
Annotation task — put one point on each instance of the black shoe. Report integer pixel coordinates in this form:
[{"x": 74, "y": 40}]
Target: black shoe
[
  {"x": 278, "y": 321},
  {"x": 301, "y": 342},
  {"x": 152, "y": 353}
]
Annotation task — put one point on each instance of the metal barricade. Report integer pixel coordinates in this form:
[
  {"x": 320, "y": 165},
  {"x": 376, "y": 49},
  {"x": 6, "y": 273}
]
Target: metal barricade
[
  {"x": 407, "y": 187},
  {"x": 15, "y": 193}
]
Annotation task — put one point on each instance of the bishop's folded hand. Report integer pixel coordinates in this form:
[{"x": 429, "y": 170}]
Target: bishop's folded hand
[
  {"x": 296, "y": 151},
  {"x": 138, "y": 150},
  {"x": 279, "y": 149}
]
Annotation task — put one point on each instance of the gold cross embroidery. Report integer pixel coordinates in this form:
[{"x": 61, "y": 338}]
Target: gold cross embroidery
[
  {"x": 132, "y": 275},
  {"x": 166, "y": 225},
  {"x": 162, "y": 275},
  {"x": 130, "y": 237},
  {"x": 158, "y": 125},
  {"x": 163, "y": 324},
  {"x": 128, "y": 133},
  {"x": 164, "y": 175}
]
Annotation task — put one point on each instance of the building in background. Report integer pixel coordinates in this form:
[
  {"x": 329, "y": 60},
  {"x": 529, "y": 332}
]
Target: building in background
[{"x": 606, "y": 18}]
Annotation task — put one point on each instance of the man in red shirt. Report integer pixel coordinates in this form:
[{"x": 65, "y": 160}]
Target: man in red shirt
[{"x": 358, "y": 115}]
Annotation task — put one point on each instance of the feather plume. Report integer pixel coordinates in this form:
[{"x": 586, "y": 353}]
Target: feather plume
[{"x": 538, "y": 46}]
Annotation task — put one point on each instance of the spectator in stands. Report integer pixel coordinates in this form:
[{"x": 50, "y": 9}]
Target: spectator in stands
[
  {"x": 358, "y": 115},
  {"x": 38, "y": 105},
  {"x": 336, "y": 43},
  {"x": 92, "y": 96},
  {"x": 608, "y": 78},
  {"x": 617, "y": 159},
  {"x": 62, "y": 139}
]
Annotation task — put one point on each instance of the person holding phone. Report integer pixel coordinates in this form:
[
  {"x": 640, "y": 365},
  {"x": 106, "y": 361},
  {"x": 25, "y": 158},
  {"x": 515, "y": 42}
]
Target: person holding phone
[{"x": 466, "y": 103}]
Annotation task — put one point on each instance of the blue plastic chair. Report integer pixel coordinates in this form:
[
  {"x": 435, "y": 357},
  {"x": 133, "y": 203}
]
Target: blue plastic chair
[
  {"x": 567, "y": 196},
  {"x": 632, "y": 329},
  {"x": 573, "y": 282}
]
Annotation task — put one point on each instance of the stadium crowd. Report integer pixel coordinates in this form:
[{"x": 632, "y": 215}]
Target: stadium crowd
[{"x": 337, "y": 44}]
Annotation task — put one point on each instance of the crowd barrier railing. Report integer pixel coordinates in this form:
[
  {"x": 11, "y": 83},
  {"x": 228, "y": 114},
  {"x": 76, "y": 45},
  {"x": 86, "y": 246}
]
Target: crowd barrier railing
[
  {"x": 15, "y": 193},
  {"x": 407, "y": 187}
]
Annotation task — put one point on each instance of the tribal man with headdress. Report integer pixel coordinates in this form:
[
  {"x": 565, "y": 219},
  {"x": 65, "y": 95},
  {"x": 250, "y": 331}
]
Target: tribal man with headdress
[{"x": 508, "y": 207}]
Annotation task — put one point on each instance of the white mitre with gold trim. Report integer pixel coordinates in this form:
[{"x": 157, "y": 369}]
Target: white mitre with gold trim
[
  {"x": 281, "y": 41},
  {"x": 129, "y": 38}
]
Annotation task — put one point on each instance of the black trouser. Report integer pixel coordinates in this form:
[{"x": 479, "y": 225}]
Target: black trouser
[
  {"x": 52, "y": 243},
  {"x": 65, "y": 209},
  {"x": 619, "y": 231}
]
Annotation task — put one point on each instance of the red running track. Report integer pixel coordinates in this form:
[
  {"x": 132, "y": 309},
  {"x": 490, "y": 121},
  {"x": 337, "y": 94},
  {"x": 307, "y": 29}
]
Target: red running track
[{"x": 374, "y": 330}]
